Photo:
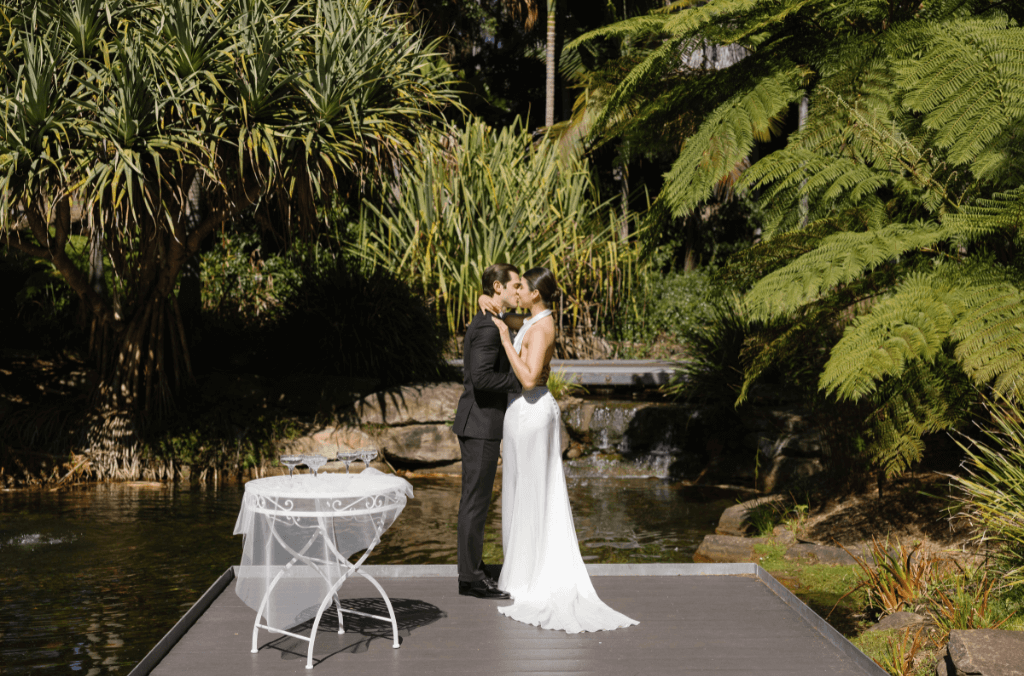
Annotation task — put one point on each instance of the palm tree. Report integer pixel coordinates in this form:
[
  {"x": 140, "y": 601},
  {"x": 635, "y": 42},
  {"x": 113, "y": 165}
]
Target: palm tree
[
  {"x": 530, "y": 11},
  {"x": 119, "y": 107}
]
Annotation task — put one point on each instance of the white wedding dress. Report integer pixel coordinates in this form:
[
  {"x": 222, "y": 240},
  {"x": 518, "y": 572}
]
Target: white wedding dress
[{"x": 543, "y": 570}]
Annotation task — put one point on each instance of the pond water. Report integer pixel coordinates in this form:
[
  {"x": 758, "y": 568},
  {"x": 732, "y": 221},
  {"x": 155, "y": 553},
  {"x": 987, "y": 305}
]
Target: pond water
[{"x": 91, "y": 579}]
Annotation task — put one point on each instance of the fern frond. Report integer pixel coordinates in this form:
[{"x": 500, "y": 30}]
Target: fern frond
[
  {"x": 664, "y": 58},
  {"x": 646, "y": 25},
  {"x": 1002, "y": 211},
  {"x": 927, "y": 398},
  {"x": 727, "y": 137},
  {"x": 990, "y": 335},
  {"x": 912, "y": 324},
  {"x": 968, "y": 83},
  {"x": 838, "y": 259}
]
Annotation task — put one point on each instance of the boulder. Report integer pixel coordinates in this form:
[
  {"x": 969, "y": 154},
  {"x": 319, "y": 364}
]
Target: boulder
[
  {"x": 734, "y": 519},
  {"x": 421, "y": 444},
  {"x": 900, "y": 620},
  {"x": 810, "y": 553},
  {"x": 328, "y": 441},
  {"x": 410, "y": 404},
  {"x": 783, "y": 469},
  {"x": 727, "y": 549},
  {"x": 783, "y": 536},
  {"x": 986, "y": 652}
]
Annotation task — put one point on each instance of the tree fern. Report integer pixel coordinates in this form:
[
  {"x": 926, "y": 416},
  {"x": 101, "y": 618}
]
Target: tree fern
[
  {"x": 894, "y": 215},
  {"x": 968, "y": 83},
  {"x": 728, "y": 136},
  {"x": 838, "y": 259}
]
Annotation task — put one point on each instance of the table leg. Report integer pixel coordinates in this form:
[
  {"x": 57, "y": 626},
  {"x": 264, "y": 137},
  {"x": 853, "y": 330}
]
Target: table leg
[{"x": 296, "y": 556}]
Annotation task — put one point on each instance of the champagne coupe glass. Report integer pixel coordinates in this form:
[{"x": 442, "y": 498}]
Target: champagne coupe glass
[
  {"x": 364, "y": 454},
  {"x": 314, "y": 462},
  {"x": 291, "y": 462}
]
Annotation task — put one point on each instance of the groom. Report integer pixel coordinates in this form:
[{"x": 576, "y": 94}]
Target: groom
[{"x": 478, "y": 423}]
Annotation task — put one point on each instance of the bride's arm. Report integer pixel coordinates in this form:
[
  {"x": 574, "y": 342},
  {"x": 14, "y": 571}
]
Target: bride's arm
[
  {"x": 533, "y": 370},
  {"x": 491, "y": 304}
]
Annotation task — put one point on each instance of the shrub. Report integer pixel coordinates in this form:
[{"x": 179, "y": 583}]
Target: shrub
[
  {"x": 992, "y": 491},
  {"x": 962, "y": 601},
  {"x": 351, "y": 323}
]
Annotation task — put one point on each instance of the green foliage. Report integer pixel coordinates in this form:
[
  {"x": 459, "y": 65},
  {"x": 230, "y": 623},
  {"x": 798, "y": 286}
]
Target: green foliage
[
  {"x": 964, "y": 600},
  {"x": 494, "y": 196},
  {"x": 713, "y": 368},
  {"x": 673, "y": 305},
  {"x": 789, "y": 513},
  {"x": 992, "y": 490},
  {"x": 562, "y": 386},
  {"x": 203, "y": 438},
  {"x": 892, "y": 216},
  {"x": 114, "y": 111},
  {"x": 360, "y": 324},
  {"x": 243, "y": 284}
]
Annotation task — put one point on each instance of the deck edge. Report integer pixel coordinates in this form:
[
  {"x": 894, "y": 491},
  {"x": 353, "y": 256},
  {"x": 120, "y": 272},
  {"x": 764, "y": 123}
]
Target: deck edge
[
  {"x": 827, "y": 631},
  {"x": 593, "y": 569},
  {"x": 182, "y": 626}
]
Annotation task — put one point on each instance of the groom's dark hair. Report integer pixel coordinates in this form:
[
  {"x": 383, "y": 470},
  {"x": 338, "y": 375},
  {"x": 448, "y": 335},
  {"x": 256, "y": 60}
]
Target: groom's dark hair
[{"x": 499, "y": 272}]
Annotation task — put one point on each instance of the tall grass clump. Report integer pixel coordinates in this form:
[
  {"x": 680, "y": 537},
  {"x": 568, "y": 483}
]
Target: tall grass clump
[
  {"x": 497, "y": 196},
  {"x": 992, "y": 490}
]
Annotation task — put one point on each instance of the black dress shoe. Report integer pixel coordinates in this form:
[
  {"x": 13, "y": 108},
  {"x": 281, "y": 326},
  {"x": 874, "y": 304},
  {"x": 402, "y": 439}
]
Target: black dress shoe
[{"x": 482, "y": 589}]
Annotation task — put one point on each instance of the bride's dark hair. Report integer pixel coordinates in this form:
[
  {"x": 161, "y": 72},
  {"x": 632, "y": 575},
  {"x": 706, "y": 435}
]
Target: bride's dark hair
[{"x": 543, "y": 280}]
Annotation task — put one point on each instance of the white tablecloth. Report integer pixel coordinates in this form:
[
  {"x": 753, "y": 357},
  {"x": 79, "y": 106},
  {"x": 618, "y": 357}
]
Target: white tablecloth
[{"x": 318, "y": 518}]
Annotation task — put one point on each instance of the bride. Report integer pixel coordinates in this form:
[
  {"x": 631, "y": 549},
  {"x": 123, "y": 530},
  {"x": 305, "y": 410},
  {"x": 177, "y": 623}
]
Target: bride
[{"x": 543, "y": 570}]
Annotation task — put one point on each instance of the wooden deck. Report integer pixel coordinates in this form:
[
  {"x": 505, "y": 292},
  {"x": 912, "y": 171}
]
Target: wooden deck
[{"x": 694, "y": 619}]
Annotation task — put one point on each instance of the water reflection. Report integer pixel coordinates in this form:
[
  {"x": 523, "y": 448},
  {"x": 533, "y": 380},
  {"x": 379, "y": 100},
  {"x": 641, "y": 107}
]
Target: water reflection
[{"x": 90, "y": 580}]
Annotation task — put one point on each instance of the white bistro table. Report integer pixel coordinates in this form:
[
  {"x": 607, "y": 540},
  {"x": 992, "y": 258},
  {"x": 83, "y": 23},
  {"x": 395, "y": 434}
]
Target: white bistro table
[{"x": 299, "y": 532}]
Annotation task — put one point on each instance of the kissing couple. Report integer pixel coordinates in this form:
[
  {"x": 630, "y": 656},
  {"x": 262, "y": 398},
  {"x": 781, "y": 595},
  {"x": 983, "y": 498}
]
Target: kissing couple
[{"x": 506, "y": 398}]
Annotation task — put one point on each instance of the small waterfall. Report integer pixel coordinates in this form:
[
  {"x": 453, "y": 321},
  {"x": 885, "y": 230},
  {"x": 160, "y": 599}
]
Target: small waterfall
[{"x": 627, "y": 438}]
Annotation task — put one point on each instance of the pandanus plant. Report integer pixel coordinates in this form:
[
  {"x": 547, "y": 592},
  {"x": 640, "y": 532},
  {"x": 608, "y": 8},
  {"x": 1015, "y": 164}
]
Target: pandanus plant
[
  {"x": 115, "y": 111},
  {"x": 495, "y": 196}
]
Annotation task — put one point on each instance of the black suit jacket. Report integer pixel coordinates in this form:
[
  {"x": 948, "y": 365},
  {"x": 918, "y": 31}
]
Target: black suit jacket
[{"x": 488, "y": 380}]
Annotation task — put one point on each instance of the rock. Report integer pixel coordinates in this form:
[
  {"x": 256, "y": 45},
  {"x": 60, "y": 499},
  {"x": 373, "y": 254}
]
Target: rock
[
  {"x": 900, "y": 620},
  {"x": 564, "y": 438},
  {"x": 410, "y": 404},
  {"x": 986, "y": 652},
  {"x": 834, "y": 556},
  {"x": 328, "y": 441},
  {"x": 734, "y": 519},
  {"x": 783, "y": 469},
  {"x": 944, "y": 667},
  {"x": 783, "y": 536},
  {"x": 628, "y": 427},
  {"x": 727, "y": 549},
  {"x": 345, "y": 436},
  {"x": 421, "y": 444}
]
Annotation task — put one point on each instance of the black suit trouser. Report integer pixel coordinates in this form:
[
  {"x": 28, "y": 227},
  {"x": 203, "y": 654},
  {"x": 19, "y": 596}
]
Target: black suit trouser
[{"x": 479, "y": 466}]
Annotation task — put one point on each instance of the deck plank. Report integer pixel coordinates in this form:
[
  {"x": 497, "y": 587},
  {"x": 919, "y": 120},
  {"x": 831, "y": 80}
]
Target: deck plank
[{"x": 719, "y": 625}]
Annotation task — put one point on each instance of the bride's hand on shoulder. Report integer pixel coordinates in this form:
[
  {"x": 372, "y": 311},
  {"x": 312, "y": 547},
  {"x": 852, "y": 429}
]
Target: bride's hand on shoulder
[
  {"x": 502, "y": 329},
  {"x": 489, "y": 304}
]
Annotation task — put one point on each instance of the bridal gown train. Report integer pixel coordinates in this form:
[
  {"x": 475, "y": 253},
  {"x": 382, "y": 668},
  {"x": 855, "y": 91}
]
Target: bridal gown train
[{"x": 543, "y": 570}]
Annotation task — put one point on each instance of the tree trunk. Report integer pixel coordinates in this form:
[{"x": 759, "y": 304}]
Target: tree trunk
[
  {"x": 805, "y": 205},
  {"x": 549, "y": 97}
]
